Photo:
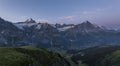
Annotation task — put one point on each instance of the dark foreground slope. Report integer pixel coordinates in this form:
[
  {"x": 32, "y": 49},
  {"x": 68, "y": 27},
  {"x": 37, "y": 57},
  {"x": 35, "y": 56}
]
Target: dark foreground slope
[
  {"x": 98, "y": 56},
  {"x": 30, "y": 56},
  {"x": 111, "y": 60}
]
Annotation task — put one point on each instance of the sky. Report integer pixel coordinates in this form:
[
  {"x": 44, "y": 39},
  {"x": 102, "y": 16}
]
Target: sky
[{"x": 102, "y": 12}]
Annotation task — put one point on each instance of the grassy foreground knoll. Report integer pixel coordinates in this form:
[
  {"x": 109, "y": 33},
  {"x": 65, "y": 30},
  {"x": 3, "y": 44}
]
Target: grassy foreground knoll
[{"x": 30, "y": 56}]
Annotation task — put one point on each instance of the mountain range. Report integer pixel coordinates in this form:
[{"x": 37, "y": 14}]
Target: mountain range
[{"x": 62, "y": 36}]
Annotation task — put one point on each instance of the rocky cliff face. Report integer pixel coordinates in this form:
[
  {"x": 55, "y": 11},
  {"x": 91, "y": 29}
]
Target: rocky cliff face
[{"x": 9, "y": 33}]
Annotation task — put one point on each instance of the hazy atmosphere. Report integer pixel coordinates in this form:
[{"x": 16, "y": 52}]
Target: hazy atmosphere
[
  {"x": 59, "y": 32},
  {"x": 102, "y": 12}
]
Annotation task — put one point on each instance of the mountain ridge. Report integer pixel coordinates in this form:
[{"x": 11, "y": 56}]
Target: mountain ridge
[{"x": 62, "y": 36}]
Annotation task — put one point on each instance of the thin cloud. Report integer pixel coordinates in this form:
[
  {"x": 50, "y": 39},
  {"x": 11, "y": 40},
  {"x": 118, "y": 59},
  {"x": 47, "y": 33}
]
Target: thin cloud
[
  {"x": 98, "y": 10},
  {"x": 68, "y": 17},
  {"x": 42, "y": 20}
]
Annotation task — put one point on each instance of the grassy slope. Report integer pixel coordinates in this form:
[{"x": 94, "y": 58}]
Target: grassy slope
[
  {"x": 111, "y": 60},
  {"x": 95, "y": 55},
  {"x": 29, "y": 55},
  {"x": 10, "y": 57}
]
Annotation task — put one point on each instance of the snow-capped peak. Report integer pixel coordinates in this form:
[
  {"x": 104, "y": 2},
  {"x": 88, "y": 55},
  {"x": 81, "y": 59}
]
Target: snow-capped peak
[{"x": 30, "y": 21}]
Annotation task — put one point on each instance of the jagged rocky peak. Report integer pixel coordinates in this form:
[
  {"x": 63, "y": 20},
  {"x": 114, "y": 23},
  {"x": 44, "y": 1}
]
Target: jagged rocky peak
[
  {"x": 45, "y": 25},
  {"x": 30, "y": 21},
  {"x": 87, "y": 25},
  {"x": 86, "y": 22},
  {"x": 58, "y": 25}
]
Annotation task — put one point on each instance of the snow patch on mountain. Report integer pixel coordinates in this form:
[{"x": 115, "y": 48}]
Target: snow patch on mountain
[
  {"x": 21, "y": 25},
  {"x": 38, "y": 26},
  {"x": 65, "y": 28}
]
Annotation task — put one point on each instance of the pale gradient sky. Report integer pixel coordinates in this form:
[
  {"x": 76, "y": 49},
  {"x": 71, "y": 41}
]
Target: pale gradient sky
[{"x": 102, "y": 12}]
